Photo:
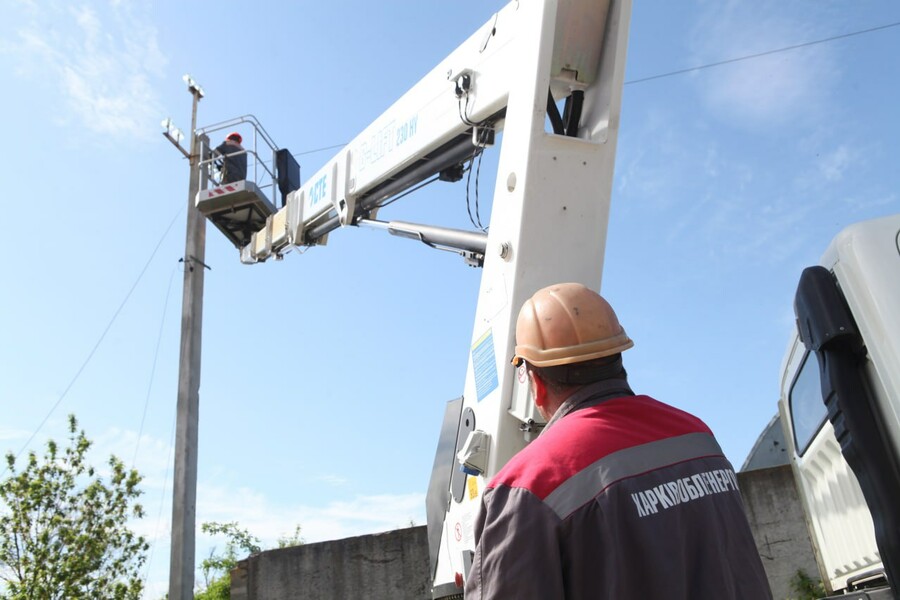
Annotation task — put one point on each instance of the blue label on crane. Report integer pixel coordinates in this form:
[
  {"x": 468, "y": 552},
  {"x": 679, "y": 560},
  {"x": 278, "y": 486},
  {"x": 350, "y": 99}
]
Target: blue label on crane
[
  {"x": 484, "y": 364},
  {"x": 317, "y": 191}
]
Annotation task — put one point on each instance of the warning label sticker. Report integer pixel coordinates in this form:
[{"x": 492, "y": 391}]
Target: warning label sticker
[
  {"x": 472, "y": 483},
  {"x": 468, "y": 524}
]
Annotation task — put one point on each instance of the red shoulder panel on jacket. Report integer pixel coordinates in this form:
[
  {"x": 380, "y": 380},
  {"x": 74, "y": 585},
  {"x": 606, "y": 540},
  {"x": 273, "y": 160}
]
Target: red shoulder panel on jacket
[{"x": 589, "y": 434}]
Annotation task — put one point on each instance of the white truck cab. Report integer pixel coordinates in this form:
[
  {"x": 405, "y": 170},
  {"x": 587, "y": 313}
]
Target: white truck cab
[{"x": 840, "y": 408}]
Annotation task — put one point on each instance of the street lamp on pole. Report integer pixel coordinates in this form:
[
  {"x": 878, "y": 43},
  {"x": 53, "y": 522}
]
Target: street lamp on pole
[{"x": 184, "y": 487}]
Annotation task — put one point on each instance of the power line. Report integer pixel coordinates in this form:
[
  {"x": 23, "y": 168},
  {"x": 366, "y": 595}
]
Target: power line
[
  {"x": 320, "y": 149},
  {"x": 97, "y": 344},
  {"x": 162, "y": 501},
  {"x": 761, "y": 54},
  {"x": 706, "y": 66},
  {"x": 162, "y": 322}
]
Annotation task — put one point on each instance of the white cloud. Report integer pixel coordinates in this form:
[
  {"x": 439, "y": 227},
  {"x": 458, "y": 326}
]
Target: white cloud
[
  {"x": 152, "y": 457},
  {"x": 828, "y": 168},
  {"x": 655, "y": 163},
  {"x": 835, "y": 163},
  {"x": 103, "y": 64},
  {"x": 264, "y": 517},
  {"x": 723, "y": 205},
  {"x": 7, "y": 434},
  {"x": 338, "y": 519},
  {"x": 872, "y": 204},
  {"x": 334, "y": 480},
  {"x": 768, "y": 90},
  {"x": 254, "y": 512}
]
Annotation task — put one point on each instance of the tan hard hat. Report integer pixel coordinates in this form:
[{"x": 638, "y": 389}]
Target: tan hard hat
[{"x": 567, "y": 323}]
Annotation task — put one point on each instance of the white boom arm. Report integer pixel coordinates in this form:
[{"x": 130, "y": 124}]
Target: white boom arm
[{"x": 549, "y": 214}]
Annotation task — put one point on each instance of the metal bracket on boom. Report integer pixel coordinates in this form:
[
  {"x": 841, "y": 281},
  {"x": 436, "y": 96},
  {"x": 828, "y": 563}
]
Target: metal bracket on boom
[{"x": 343, "y": 199}]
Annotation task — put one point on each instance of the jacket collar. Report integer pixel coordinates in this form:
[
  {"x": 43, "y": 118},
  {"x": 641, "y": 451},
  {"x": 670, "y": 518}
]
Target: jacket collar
[{"x": 591, "y": 395}]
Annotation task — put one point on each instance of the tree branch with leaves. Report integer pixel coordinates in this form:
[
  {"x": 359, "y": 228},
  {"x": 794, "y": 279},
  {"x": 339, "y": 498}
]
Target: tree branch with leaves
[
  {"x": 64, "y": 529},
  {"x": 217, "y": 568}
]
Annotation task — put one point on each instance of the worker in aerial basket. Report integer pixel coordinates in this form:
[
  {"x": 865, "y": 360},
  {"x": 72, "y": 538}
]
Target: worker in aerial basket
[
  {"x": 234, "y": 158},
  {"x": 621, "y": 496}
]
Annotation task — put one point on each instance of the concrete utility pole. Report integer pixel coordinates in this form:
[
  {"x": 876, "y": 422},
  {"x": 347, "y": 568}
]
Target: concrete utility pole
[{"x": 184, "y": 489}]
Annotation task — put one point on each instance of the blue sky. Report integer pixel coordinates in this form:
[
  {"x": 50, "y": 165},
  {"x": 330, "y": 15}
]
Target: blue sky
[{"x": 325, "y": 375}]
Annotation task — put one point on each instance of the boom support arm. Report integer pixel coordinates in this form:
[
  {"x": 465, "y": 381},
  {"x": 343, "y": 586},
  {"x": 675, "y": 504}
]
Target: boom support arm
[
  {"x": 548, "y": 218},
  {"x": 439, "y": 124},
  {"x": 548, "y": 224}
]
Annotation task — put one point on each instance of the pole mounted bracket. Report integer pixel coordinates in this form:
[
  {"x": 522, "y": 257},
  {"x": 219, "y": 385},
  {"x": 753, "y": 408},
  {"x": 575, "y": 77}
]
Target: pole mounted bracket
[
  {"x": 177, "y": 145},
  {"x": 193, "y": 259}
]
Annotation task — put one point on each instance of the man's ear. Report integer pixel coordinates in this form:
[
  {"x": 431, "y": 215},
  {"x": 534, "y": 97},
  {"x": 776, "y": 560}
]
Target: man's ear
[{"x": 539, "y": 388}]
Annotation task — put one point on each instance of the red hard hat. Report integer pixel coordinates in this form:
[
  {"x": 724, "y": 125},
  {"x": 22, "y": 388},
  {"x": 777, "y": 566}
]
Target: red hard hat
[{"x": 235, "y": 136}]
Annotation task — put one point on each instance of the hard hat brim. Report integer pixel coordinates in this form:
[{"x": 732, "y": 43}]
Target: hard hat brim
[{"x": 572, "y": 354}]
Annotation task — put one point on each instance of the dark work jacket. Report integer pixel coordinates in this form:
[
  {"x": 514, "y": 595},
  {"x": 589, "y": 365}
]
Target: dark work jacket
[
  {"x": 234, "y": 165},
  {"x": 620, "y": 497}
]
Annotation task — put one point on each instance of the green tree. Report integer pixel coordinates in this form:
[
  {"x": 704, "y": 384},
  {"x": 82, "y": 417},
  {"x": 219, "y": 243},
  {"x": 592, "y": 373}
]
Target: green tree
[
  {"x": 294, "y": 539},
  {"x": 217, "y": 568},
  {"x": 64, "y": 531}
]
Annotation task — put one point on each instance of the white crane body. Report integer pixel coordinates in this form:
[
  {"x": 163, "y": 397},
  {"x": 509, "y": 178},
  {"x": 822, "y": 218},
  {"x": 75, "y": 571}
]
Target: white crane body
[{"x": 548, "y": 218}]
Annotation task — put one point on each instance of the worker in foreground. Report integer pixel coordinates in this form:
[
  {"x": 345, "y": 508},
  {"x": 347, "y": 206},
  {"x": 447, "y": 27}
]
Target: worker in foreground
[{"x": 621, "y": 496}]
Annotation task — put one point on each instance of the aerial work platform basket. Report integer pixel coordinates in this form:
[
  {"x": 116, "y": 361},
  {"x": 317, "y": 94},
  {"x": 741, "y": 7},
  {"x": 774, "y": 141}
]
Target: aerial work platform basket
[
  {"x": 237, "y": 209},
  {"x": 240, "y": 208}
]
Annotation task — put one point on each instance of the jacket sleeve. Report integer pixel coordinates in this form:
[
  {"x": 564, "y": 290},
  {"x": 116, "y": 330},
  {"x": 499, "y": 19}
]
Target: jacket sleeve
[{"x": 517, "y": 551}]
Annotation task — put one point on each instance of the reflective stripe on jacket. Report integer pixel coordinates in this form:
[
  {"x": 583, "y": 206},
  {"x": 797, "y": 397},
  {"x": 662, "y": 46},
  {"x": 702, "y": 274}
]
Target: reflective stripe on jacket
[{"x": 620, "y": 497}]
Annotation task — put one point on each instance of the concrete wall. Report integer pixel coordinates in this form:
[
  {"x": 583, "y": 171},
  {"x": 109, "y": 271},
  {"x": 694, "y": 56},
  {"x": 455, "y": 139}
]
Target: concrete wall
[
  {"x": 388, "y": 566},
  {"x": 394, "y": 565},
  {"x": 779, "y": 526}
]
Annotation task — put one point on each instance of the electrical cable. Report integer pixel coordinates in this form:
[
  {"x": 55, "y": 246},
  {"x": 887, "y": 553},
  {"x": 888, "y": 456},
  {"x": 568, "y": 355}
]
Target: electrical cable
[
  {"x": 97, "y": 344},
  {"x": 162, "y": 499},
  {"x": 761, "y": 54},
  {"x": 319, "y": 150},
  {"x": 477, "y": 153},
  {"x": 464, "y": 112},
  {"x": 162, "y": 322},
  {"x": 466, "y": 120},
  {"x": 478, "y": 179},
  {"x": 469, "y": 185},
  {"x": 476, "y": 219}
]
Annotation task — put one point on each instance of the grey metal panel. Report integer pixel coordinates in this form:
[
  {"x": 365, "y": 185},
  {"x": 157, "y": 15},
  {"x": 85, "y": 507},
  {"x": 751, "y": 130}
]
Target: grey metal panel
[{"x": 438, "y": 497}]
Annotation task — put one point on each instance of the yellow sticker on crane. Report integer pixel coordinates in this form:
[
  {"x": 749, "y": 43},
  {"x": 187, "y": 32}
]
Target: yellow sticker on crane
[{"x": 473, "y": 487}]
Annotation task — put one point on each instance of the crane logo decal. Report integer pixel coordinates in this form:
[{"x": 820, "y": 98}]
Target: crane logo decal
[
  {"x": 317, "y": 191},
  {"x": 385, "y": 140},
  {"x": 406, "y": 130}
]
